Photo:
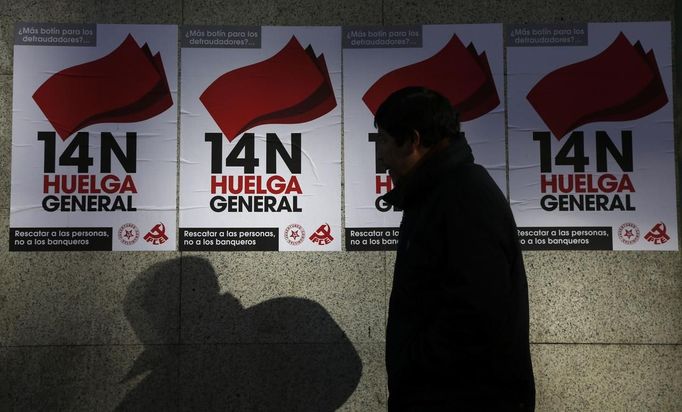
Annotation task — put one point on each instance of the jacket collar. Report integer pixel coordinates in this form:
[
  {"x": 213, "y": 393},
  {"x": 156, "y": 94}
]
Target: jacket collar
[{"x": 440, "y": 159}]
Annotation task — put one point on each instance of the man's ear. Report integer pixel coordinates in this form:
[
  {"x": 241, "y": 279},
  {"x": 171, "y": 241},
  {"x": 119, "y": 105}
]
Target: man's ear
[{"x": 415, "y": 139}]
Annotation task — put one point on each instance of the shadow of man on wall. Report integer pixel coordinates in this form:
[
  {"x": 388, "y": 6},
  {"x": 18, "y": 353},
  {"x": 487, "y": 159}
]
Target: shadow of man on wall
[{"x": 283, "y": 354}]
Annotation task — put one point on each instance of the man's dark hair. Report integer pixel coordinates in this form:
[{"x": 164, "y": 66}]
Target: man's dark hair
[{"x": 420, "y": 109}]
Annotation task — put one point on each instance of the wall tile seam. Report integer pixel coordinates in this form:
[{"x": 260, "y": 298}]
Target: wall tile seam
[
  {"x": 656, "y": 344},
  {"x": 190, "y": 344},
  {"x": 676, "y": 23},
  {"x": 187, "y": 344}
]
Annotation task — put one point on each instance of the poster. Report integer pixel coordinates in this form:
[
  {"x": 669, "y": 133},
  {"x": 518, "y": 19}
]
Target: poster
[
  {"x": 591, "y": 144},
  {"x": 260, "y": 155},
  {"x": 94, "y": 137},
  {"x": 462, "y": 62}
]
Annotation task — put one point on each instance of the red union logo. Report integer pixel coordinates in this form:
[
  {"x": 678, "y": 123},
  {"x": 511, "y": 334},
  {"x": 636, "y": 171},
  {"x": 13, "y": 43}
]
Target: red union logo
[
  {"x": 128, "y": 234},
  {"x": 157, "y": 235},
  {"x": 294, "y": 234},
  {"x": 322, "y": 236},
  {"x": 658, "y": 234},
  {"x": 628, "y": 233}
]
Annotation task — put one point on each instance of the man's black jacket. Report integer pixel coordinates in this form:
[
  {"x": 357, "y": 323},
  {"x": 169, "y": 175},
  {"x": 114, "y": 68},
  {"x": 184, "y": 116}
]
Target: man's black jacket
[{"x": 457, "y": 336}]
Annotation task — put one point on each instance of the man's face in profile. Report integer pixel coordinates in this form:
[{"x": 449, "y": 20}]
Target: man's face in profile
[{"x": 399, "y": 159}]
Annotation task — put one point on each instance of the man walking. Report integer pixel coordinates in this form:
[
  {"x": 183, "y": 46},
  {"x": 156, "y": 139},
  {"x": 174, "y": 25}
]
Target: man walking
[{"x": 457, "y": 335}]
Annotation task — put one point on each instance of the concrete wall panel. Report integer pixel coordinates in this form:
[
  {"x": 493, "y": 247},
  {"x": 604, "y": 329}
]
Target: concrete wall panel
[
  {"x": 597, "y": 297},
  {"x": 608, "y": 377}
]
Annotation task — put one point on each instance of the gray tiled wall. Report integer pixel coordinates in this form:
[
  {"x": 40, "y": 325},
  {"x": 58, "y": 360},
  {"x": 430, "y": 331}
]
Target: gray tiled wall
[{"x": 172, "y": 331}]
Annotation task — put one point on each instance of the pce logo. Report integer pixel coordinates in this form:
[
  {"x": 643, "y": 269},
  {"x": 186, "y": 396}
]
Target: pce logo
[
  {"x": 157, "y": 235},
  {"x": 322, "y": 236},
  {"x": 658, "y": 234}
]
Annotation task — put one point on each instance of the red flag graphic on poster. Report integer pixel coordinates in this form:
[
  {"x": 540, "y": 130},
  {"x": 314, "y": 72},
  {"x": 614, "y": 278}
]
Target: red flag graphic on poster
[
  {"x": 457, "y": 72},
  {"x": 127, "y": 85},
  {"x": 620, "y": 83},
  {"x": 293, "y": 86}
]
